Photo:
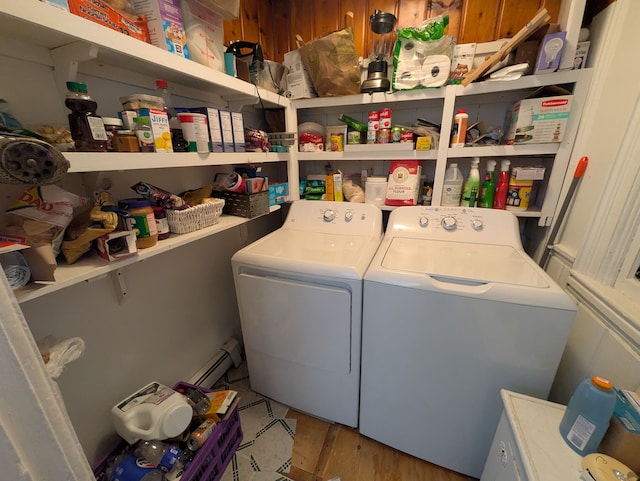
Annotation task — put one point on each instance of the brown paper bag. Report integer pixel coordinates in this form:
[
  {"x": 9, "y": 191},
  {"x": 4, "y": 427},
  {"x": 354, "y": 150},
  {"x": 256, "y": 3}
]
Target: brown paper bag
[{"x": 332, "y": 64}]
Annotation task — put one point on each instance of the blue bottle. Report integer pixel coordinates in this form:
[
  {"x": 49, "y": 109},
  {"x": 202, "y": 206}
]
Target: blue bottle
[{"x": 587, "y": 417}]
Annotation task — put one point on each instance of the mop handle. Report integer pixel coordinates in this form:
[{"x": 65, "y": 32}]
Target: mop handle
[{"x": 577, "y": 175}]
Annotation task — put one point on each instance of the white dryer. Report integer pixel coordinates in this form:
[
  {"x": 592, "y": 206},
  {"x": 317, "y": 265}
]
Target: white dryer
[
  {"x": 454, "y": 310},
  {"x": 299, "y": 292}
]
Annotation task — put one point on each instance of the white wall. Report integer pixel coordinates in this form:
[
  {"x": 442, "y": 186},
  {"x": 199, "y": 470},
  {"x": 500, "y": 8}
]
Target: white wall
[{"x": 595, "y": 345}]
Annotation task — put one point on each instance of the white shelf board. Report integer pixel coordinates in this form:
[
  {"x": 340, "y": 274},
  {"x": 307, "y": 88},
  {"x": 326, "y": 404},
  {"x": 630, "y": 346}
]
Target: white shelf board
[
  {"x": 92, "y": 266},
  {"x": 373, "y": 154},
  {"x": 504, "y": 150},
  {"x": 370, "y": 99},
  {"x": 525, "y": 82},
  {"x": 34, "y": 22},
  {"x": 112, "y": 161}
]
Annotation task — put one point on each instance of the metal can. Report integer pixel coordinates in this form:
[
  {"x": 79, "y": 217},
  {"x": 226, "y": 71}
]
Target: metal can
[
  {"x": 385, "y": 118},
  {"x": 384, "y": 136},
  {"x": 373, "y": 122},
  {"x": 406, "y": 136},
  {"x": 372, "y": 136},
  {"x": 396, "y": 134},
  {"x": 354, "y": 137},
  {"x": 337, "y": 142}
]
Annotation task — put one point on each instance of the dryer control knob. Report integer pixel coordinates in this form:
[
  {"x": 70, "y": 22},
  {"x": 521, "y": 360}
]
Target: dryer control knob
[
  {"x": 348, "y": 216},
  {"x": 329, "y": 215},
  {"x": 449, "y": 223},
  {"x": 477, "y": 224},
  {"x": 424, "y": 222}
]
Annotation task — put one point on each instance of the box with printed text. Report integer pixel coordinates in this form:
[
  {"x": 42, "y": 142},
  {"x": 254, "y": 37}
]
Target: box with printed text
[
  {"x": 538, "y": 120},
  {"x": 164, "y": 21}
]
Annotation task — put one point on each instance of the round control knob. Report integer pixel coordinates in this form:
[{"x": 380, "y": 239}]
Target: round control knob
[
  {"x": 348, "y": 216},
  {"x": 424, "y": 222},
  {"x": 329, "y": 215},
  {"x": 477, "y": 224},
  {"x": 449, "y": 223}
]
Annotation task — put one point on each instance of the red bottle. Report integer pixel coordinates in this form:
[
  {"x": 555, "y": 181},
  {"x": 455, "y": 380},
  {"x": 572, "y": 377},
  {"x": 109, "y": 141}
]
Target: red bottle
[{"x": 500, "y": 199}]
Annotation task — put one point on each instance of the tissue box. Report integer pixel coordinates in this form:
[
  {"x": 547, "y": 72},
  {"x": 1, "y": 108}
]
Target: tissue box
[
  {"x": 536, "y": 121},
  {"x": 117, "y": 245},
  {"x": 166, "y": 28},
  {"x": 278, "y": 193},
  {"x": 622, "y": 439}
]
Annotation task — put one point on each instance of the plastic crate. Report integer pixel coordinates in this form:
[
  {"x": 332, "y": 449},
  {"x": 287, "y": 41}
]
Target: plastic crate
[{"x": 211, "y": 459}]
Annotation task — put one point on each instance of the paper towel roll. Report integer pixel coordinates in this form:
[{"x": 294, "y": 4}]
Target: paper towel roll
[
  {"x": 16, "y": 269},
  {"x": 435, "y": 70}
]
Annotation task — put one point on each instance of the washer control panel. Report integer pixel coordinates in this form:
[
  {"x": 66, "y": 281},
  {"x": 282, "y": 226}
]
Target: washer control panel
[{"x": 461, "y": 224}]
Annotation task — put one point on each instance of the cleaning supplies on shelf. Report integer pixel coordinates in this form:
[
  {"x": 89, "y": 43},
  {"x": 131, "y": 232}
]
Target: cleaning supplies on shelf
[
  {"x": 488, "y": 189},
  {"x": 452, "y": 187},
  {"x": 472, "y": 185},
  {"x": 502, "y": 188}
]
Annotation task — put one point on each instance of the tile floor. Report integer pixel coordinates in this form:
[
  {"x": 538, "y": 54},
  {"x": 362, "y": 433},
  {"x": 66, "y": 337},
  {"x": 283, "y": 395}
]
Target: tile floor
[{"x": 281, "y": 444}]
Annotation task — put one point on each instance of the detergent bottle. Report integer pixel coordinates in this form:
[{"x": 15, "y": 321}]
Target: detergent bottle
[
  {"x": 452, "y": 188},
  {"x": 488, "y": 189},
  {"x": 500, "y": 198},
  {"x": 472, "y": 185}
]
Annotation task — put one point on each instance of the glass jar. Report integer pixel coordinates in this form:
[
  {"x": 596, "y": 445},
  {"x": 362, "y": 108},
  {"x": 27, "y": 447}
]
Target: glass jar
[
  {"x": 162, "y": 223},
  {"x": 111, "y": 126},
  {"x": 141, "y": 218},
  {"x": 126, "y": 141},
  {"x": 144, "y": 134}
]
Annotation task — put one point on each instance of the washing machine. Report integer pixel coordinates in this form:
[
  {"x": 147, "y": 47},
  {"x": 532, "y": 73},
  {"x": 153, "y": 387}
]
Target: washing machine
[
  {"x": 454, "y": 311},
  {"x": 299, "y": 292}
]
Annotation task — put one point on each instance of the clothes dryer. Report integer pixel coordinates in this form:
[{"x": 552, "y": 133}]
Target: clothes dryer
[
  {"x": 299, "y": 292},
  {"x": 454, "y": 310}
]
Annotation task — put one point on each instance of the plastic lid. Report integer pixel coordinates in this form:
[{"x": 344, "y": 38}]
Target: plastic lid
[
  {"x": 112, "y": 121},
  {"x": 134, "y": 203},
  {"x": 77, "y": 86},
  {"x": 461, "y": 112},
  {"x": 162, "y": 84},
  {"x": 602, "y": 383},
  {"x": 505, "y": 165}
]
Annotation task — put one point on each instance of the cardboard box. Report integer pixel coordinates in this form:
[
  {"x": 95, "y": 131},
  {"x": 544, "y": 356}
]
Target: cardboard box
[
  {"x": 63, "y": 4},
  {"x": 550, "y": 53},
  {"x": 622, "y": 439},
  {"x": 299, "y": 85},
  {"x": 166, "y": 28},
  {"x": 580, "y": 58},
  {"x": 101, "y": 12},
  {"x": 159, "y": 122},
  {"x": 237, "y": 126},
  {"x": 226, "y": 127},
  {"x": 538, "y": 120},
  {"x": 278, "y": 193},
  {"x": 205, "y": 34},
  {"x": 117, "y": 245},
  {"x": 334, "y": 186},
  {"x": 215, "y": 133}
]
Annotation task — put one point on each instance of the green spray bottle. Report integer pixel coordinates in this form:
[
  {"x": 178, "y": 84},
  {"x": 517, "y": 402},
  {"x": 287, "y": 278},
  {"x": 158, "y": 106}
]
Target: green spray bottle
[
  {"x": 488, "y": 189},
  {"x": 472, "y": 185}
]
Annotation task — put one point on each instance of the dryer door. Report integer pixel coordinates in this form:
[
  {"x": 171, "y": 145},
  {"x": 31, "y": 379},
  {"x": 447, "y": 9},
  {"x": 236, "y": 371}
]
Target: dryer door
[{"x": 295, "y": 321}]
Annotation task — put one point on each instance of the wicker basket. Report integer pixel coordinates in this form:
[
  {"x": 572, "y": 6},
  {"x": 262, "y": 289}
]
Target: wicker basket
[{"x": 195, "y": 218}]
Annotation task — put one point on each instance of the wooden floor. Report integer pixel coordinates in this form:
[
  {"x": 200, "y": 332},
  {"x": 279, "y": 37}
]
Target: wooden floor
[{"x": 323, "y": 451}]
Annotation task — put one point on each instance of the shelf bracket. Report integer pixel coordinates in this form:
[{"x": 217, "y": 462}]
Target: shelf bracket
[
  {"x": 237, "y": 102},
  {"x": 67, "y": 58},
  {"x": 119, "y": 284}
]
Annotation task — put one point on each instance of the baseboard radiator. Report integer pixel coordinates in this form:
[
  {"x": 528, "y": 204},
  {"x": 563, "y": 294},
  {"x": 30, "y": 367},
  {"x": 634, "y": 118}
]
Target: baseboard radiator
[{"x": 229, "y": 355}]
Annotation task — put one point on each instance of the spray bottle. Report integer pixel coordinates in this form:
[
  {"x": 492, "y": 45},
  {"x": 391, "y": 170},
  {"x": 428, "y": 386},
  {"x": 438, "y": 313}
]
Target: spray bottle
[
  {"x": 502, "y": 188},
  {"x": 472, "y": 185},
  {"x": 488, "y": 189}
]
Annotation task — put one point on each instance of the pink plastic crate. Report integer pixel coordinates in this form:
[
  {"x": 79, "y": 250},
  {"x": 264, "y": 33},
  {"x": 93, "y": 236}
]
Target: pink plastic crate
[{"x": 211, "y": 459}]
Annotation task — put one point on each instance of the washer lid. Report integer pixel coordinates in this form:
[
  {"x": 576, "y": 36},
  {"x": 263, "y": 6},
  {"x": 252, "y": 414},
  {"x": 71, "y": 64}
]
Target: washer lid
[
  {"x": 481, "y": 263},
  {"x": 314, "y": 253}
]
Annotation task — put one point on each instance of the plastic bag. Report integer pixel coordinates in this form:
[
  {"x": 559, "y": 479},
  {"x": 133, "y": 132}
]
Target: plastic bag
[
  {"x": 332, "y": 63},
  {"x": 422, "y": 55}
]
